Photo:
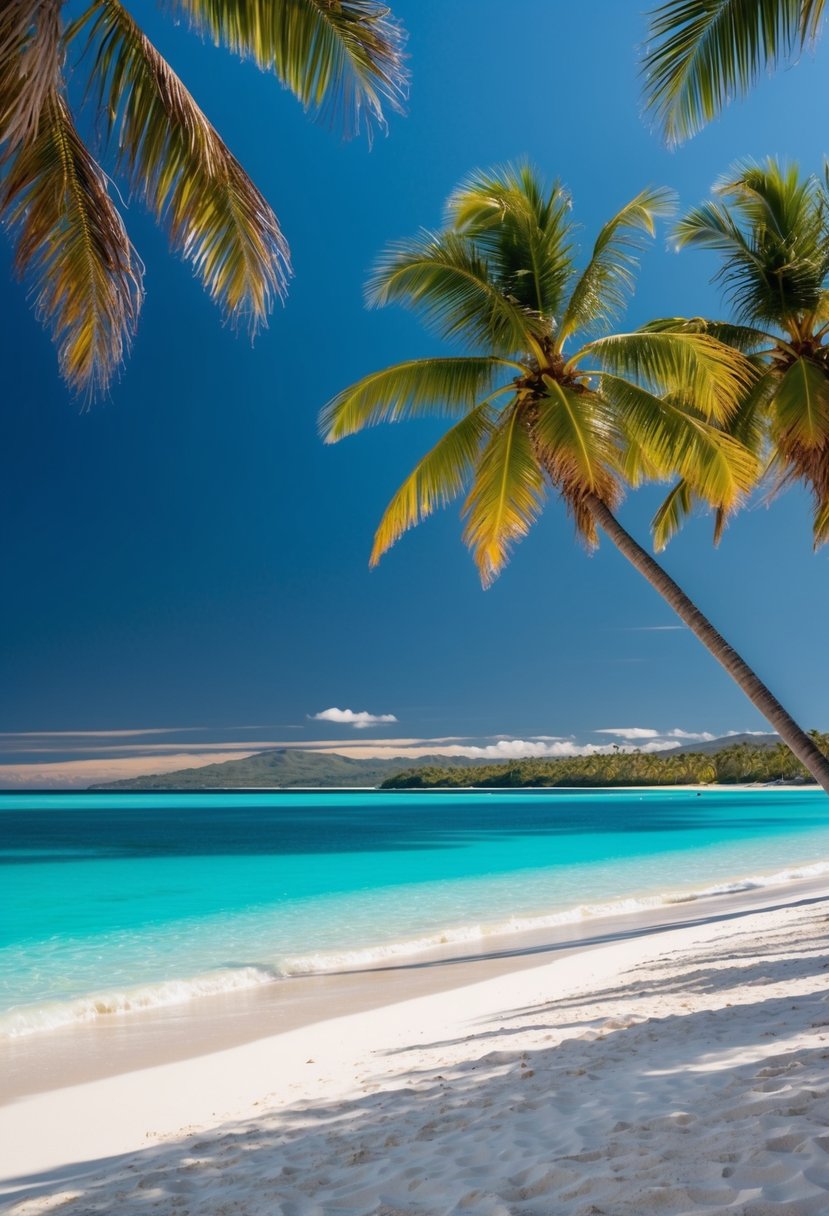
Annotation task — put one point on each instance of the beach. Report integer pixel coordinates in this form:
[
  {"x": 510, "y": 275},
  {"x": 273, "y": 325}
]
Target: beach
[{"x": 676, "y": 1070}]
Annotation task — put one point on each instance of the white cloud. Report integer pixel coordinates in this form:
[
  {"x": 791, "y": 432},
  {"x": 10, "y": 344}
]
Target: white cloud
[
  {"x": 629, "y": 732},
  {"x": 359, "y": 720}
]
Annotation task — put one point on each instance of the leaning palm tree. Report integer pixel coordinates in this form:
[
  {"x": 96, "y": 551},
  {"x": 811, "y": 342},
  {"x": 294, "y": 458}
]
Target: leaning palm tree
[
  {"x": 770, "y": 226},
  {"x": 337, "y": 56},
  {"x": 548, "y": 400},
  {"x": 701, "y": 54}
]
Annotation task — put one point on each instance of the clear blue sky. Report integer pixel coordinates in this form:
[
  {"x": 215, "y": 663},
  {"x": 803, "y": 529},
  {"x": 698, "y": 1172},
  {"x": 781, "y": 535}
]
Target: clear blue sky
[{"x": 189, "y": 552}]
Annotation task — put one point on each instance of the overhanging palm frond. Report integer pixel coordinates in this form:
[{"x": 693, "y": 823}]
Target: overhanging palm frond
[
  {"x": 447, "y": 282},
  {"x": 215, "y": 216},
  {"x": 603, "y": 288},
  {"x": 72, "y": 246},
  {"x": 442, "y": 387},
  {"x": 717, "y": 467},
  {"x": 801, "y": 406},
  {"x": 578, "y": 444},
  {"x": 437, "y": 479},
  {"x": 708, "y": 375},
  {"x": 30, "y": 64},
  {"x": 671, "y": 515},
  {"x": 524, "y": 231},
  {"x": 341, "y": 58},
  {"x": 505, "y": 498},
  {"x": 744, "y": 338},
  {"x": 701, "y": 54}
]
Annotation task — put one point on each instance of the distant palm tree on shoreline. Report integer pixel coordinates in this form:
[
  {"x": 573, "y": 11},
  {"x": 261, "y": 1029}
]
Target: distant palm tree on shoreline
[
  {"x": 72, "y": 247},
  {"x": 701, "y": 54},
  {"x": 619, "y": 408}
]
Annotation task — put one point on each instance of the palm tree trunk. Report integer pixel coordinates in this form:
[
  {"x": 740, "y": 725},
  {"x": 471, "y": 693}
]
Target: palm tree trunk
[{"x": 803, "y": 747}]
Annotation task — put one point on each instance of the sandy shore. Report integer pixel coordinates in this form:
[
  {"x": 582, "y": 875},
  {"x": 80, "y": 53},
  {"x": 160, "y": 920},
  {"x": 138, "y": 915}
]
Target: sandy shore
[{"x": 677, "y": 1072}]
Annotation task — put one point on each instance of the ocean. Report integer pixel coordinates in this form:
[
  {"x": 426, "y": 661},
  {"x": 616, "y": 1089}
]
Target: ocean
[{"x": 116, "y": 902}]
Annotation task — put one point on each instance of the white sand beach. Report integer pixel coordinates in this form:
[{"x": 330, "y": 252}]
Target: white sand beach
[{"x": 676, "y": 1072}]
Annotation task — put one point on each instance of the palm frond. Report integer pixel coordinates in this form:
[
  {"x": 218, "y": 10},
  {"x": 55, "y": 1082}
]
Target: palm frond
[
  {"x": 174, "y": 158},
  {"x": 72, "y": 247},
  {"x": 701, "y": 54},
  {"x": 444, "y": 387},
  {"x": 744, "y": 338},
  {"x": 604, "y": 287},
  {"x": 343, "y": 59},
  {"x": 437, "y": 479},
  {"x": 505, "y": 498},
  {"x": 524, "y": 231},
  {"x": 707, "y": 374},
  {"x": 801, "y": 406},
  {"x": 671, "y": 515},
  {"x": 447, "y": 281},
  {"x": 677, "y": 441},
  {"x": 31, "y": 54},
  {"x": 771, "y": 232}
]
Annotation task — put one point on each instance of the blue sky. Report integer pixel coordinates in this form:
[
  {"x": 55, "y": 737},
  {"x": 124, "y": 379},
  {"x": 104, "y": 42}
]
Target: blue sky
[{"x": 189, "y": 554}]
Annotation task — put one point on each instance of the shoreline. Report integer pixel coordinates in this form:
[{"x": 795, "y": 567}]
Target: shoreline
[
  {"x": 123, "y": 1086},
  {"x": 755, "y": 786},
  {"x": 585, "y": 1074}
]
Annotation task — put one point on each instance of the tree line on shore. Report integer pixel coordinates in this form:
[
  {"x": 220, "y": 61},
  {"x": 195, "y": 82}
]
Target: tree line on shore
[{"x": 741, "y": 763}]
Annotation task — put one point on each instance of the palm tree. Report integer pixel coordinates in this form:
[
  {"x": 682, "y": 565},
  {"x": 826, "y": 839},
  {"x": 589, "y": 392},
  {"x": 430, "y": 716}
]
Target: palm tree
[
  {"x": 770, "y": 227},
  {"x": 703, "y": 53},
  {"x": 336, "y": 56},
  {"x": 537, "y": 411}
]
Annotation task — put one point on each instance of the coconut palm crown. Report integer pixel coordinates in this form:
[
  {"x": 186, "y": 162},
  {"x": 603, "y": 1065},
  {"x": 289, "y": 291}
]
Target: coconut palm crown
[
  {"x": 770, "y": 227},
  {"x": 701, "y": 54},
  {"x": 548, "y": 399},
  {"x": 339, "y": 57}
]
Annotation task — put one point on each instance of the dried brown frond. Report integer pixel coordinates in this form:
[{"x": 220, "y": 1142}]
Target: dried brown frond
[
  {"x": 71, "y": 245},
  {"x": 31, "y": 52}
]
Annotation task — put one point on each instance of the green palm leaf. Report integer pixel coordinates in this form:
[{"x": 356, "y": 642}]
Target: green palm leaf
[
  {"x": 341, "y": 58},
  {"x": 71, "y": 244},
  {"x": 706, "y": 374},
  {"x": 703, "y": 53},
  {"x": 436, "y": 480},
  {"x": 671, "y": 515},
  {"x": 505, "y": 498},
  {"x": 801, "y": 405},
  {"x": 717, "y": 467},
  {"x": 602, "y": 290},
  {"x": 524, "y": 232},
  {"x": 448, "y": 283},
  {"x": 744, "y": 338},
  {"x": 443, "y": 387},
  {"x": 215, "y": 216}
]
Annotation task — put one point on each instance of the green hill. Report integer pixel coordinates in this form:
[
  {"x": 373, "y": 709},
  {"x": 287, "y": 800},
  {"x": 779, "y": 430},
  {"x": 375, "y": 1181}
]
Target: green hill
[{"x": 282, "y": 767}]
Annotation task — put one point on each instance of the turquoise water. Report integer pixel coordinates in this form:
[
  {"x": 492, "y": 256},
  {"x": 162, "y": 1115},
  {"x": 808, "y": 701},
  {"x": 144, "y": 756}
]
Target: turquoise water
[{"x": 115, "y": 902}]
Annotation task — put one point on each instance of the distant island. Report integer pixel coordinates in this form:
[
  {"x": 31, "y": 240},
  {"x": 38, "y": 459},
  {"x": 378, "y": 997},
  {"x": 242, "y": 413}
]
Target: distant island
[
  {"x": 732, "y": 760},
  {"x": 739, "y": 760}
]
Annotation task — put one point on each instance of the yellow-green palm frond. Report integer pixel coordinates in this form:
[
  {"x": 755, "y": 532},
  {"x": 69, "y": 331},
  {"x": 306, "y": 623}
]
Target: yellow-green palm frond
[
  {"x": 31, "y": 53},
  {"x": 671, "y": 515},
  {"x": 72, "y": 247},
  {"x": 505, "y": 498},
  {"x": 524, "y": 231},
  {"x": 706, "y": 373},
  {"x": 675, "y": 440},
  {"x": 701, "y": 54},
  {"x": 441, "y": 476},
  {"x": 448, "y": 283},
  {"x": 801, "y": 406},
  {"x": 744, "y": 338},
  {"x": 444, "y": 387},
  {"x": 214, "y": 214},
  {"x": 604, "y": 287},
  {"x": 341, "y": 58},
  {"x": 578, "y": 444}
]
